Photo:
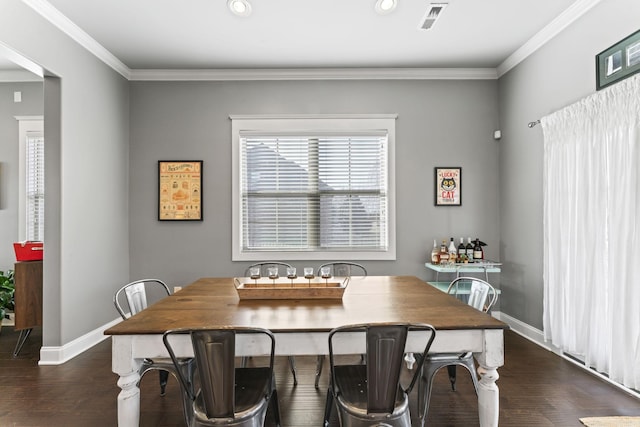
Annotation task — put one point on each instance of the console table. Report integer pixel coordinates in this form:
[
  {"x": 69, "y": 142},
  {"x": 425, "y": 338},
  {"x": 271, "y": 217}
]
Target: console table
[
  {"x": 464, "y": 288},
  {"x": 485, "y": 267}
]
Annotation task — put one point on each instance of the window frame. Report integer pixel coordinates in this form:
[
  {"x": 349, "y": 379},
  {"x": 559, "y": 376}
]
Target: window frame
[
  {"x": 27, "y": 125},
  {"x": 322, "y": 123}
]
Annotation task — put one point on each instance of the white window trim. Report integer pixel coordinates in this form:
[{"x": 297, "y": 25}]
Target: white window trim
[
  {"x": 26, "y": 125},
  {"x": 311, "y": 123}
]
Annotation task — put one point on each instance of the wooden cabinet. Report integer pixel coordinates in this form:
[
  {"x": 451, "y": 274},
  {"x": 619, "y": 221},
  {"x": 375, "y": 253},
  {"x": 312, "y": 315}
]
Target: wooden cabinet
[
  {"x": 28, "y": 295},
  {"x": 27, "y": 298}
]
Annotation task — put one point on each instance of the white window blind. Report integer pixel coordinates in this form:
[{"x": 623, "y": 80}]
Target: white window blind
[
  {"x": 35, "y": 187},
  {"x": 313, "y": 187},
  {"x": 314, "y": 193}
]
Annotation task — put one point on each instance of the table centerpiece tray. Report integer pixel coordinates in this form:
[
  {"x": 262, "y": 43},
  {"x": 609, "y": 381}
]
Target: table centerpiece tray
[{"x": 297, "y": 288}]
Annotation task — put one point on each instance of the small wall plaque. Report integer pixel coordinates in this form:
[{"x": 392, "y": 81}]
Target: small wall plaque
[{"x": 448, "y": 186}]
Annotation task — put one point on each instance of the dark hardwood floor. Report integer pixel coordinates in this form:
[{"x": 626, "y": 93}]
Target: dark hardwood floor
[{"x": 537, "y": 388}]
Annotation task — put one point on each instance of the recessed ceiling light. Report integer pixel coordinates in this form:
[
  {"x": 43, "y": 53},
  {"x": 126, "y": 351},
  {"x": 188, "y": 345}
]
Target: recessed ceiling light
[
  {"x": 239, "y": 7},
  {"x": 385, "y": 6}
]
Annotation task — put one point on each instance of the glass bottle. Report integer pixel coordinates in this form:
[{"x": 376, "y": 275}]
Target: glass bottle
[
  {"x": 469, "y": 249},
  {"x": 478, "y": 254},
  {"x": 444, "y": 253},
  {"x": 453, "y": 252},
  {"x": 435, "y": 253},
  {"x": 462, "y": 251}
]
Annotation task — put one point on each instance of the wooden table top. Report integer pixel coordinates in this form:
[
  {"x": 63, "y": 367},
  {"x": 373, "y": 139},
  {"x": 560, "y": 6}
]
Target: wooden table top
[{"x": 214, "y": 302}]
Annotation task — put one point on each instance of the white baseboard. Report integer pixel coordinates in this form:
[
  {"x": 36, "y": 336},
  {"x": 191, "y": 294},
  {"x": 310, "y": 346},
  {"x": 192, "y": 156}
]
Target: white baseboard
[
  {"x": 537, "y": 337},
  {"x": 525, "y": 330},
  {"x": 60, "y": 355}
]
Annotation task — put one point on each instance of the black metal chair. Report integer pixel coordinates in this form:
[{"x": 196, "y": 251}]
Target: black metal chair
[
  {"x": 372, "y": 394},
  {"x": 133, "y": 298},
  {"x": 340, "y": 269},
  {"x": 227, "y": 396},
  {"x": 480, "y": 295}
]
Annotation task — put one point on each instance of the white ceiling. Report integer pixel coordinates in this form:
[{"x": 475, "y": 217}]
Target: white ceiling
[{"x": 297, "y": 34}]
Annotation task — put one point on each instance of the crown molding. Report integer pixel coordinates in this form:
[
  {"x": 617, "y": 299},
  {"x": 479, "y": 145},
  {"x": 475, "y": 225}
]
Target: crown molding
[
  {"x": 316, "y": 74},
  {"x": 18, "y": 76},
  {"x": 380, "y": 116},
  {"x": 561, "y": 22},
  {"x": 542, "y": 37},
  {"x": 34, "y": 71},
  {"x": 64, "y": 24}
]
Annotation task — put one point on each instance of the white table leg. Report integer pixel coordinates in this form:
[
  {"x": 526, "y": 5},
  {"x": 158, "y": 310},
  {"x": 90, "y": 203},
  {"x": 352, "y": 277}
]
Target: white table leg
[
  {"x": 488, "y": 397},
  {"x": 488, "y": 393},
  {"x": 128, "y": 368}
]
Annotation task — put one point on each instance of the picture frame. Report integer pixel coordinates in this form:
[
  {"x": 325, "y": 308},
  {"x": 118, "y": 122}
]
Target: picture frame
[
  {"x": 619, "y": 61},
  {"x": 180, "y": 190},
  {"x": 448, "y": 186}
]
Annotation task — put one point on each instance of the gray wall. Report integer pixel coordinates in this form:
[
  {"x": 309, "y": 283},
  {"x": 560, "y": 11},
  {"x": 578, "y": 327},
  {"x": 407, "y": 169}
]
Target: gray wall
[
  {"x": 560, "y": 73},
  {"x": 101, "y": 213},
  {"x": 440, "y": 123},
  {"x": 31, "y": 105},
  {"x": 86, "y": 113}
]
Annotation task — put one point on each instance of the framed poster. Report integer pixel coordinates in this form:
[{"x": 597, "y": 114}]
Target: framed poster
[
  {"x": 180, "y": 190},
  {"x": 448, "y": 186},
  {"x": 618, "y": 62}
]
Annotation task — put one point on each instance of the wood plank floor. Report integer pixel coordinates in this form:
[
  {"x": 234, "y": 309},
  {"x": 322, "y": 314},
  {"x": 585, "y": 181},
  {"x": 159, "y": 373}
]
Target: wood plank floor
[{"x": 537, "y": 388}]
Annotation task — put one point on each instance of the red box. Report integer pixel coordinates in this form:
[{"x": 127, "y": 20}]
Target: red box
[{"x": 29, "y": 251}]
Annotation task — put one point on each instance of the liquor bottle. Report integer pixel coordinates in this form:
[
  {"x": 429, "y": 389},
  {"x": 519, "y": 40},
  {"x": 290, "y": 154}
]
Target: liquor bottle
[
  {"x": 469, "y": 250},
  {"x": 462, "y": 251},
  {"x": 444, "y": 253},
  {"x": 453, "y": 252},
  {"x": 435, "y": 253},
  {"x": 478, "y": 254}
]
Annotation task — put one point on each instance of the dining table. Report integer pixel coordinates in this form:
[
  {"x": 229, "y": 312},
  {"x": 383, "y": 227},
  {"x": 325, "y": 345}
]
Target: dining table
[{"x": 301, "y": 327}]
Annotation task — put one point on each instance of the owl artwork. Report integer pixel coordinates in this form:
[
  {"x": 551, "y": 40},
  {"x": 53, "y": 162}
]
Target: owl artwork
[{"x": 448, "y": 184}]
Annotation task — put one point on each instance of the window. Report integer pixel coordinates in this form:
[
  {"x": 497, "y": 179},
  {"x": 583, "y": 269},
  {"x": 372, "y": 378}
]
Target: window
[
  {"x": 313, "y": 187},
  {"x": 31, "y": 172}
]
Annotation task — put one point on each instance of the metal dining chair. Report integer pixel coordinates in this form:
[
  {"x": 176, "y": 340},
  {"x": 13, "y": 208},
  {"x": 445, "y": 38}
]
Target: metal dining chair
[
  {"x": 372, "y": 394},
  {"x": 264, "y": 272},
  {"x": 479, "y": 294},
  {"x": 340, "y": 269},
  {"x": 226, "y": 395},
  {"x": 133, "y": 298},
  {"x": 343, "y": 269}
]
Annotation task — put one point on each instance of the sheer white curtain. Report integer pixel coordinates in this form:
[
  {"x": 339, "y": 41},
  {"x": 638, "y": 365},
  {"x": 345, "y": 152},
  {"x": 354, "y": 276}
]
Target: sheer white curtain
[{"x": 592, "y": 229}]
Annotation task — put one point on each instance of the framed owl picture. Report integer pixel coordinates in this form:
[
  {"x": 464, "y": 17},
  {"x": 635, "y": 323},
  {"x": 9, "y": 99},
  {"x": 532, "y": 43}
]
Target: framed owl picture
[{"x": 448, "y": 186}]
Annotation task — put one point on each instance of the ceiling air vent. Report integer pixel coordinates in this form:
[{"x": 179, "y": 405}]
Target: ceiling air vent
[{"x": 433, "y": 13}]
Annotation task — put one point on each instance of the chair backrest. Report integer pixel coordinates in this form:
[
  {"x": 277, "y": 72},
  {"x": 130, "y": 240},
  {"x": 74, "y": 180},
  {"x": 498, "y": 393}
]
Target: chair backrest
[
  {"x": 344, "y": 269},
  {"x": 264, "y": 267},
  {"x": 482, "y": 296},
  {"x": 132, "y": 297},
  {"x": 384, "y": 358},
  {"x": 214, "y": 351}
]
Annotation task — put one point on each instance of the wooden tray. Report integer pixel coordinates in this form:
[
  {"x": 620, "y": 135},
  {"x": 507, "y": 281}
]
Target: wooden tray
[{"x": 283, "y": 288}]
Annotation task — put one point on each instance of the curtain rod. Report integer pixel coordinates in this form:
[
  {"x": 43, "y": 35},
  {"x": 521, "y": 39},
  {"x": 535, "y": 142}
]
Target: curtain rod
[{"x": 532, "y": 124}]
